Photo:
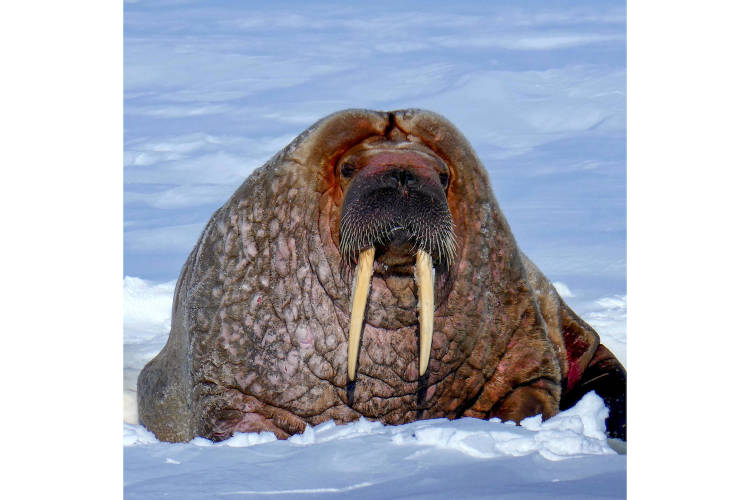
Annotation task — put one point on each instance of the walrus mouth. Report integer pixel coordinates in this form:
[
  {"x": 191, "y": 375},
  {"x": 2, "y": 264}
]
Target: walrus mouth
[{"x": 395, "y": 212}]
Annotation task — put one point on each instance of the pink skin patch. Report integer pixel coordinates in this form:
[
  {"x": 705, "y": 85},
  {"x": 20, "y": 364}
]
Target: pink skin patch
[
  {"x": 575, "y": 347},
  {"x": 430, "y": 392},
  {"x": 418, "y": 164},
  {"x": 574, "y": 373}
]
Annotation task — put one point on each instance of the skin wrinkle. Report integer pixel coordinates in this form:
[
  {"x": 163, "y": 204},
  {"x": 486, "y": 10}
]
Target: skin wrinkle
[
  {"x": 268, "y": 403},
  {"x": 268, "y": 265},
  {"x": 394, "y": 330},
  {"x": 341, "y": 327}
]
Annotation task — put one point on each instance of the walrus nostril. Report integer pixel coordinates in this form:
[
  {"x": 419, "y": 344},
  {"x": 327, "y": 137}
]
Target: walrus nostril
[
  {"x": 399, "y": 236},
  {"x": 402, "y": 177}
]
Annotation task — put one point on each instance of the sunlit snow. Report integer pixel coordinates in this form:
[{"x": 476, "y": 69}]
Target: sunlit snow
[{"x": 465, "y": 458}]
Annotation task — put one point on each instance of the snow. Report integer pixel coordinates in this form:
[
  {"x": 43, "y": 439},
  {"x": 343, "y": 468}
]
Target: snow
[
  {"x": 214, "y": 89},
  {"x": 563, "y": 290},
  {"x": 565, "y": 456},
  {"x": 607, "y": 315},
  {"x": 147, "y": 309}
]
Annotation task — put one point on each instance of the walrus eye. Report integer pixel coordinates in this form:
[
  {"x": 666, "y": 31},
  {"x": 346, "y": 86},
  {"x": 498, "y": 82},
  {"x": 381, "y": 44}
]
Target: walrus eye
[
  {"x": 347, "y": 169},
  {"x": 444, "y": 179}
]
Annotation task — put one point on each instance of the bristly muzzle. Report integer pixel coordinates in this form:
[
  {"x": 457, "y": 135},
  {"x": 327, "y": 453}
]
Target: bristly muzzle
[{"x": 380, "y": 214}]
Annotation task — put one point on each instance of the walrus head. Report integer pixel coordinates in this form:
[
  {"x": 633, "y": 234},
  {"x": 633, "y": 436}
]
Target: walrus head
[
  {"x": 395, "y": 220},
  {"x": 402, "y": 199}
]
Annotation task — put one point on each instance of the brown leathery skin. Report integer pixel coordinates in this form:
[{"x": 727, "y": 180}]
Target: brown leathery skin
[{"x": 261, "y": 310}]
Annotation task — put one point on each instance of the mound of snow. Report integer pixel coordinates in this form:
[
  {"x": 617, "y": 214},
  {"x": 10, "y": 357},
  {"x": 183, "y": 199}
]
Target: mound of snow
[
  {"x": 147, "y": 310},
  {"x": 563, "y": 290},
  {"x": 565, "y": 457},
  {"x": 608, "y": 316},
  {"x": 573, "y": 433},
  {"x": 137, "y": 434}
]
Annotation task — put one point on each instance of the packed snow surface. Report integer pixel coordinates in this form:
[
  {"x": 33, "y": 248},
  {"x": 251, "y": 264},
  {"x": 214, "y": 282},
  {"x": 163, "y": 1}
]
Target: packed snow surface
[{"x": 465, "y": 458}]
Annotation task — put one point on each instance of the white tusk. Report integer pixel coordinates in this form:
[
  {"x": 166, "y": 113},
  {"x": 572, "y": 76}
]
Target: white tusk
[
  {"x": 425, "y": 280},
  {"x": 361, "y": 290}
]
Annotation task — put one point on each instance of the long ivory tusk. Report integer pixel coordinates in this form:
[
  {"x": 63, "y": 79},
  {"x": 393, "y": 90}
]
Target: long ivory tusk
[
  {"x": 424, "y": 277},
  {"x": 359, "y": 300}
]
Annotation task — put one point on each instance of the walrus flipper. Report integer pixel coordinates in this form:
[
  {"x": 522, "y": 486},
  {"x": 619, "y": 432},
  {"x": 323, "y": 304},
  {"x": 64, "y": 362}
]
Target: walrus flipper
[
  {"x": 165, "y": 384},
  {"x": 586, "y": 365},
  {"x": 607, "y": 377}
]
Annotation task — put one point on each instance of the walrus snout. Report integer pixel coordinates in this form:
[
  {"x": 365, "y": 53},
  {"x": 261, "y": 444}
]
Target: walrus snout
[
  {"x": 395, "y": 210},
  {"x": 395, "y": 201},
  {"x": 402, "y": 178},
  {"x": 399, "y": 236}
]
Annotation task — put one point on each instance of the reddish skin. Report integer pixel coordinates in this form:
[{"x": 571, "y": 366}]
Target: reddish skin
[
  {"x": 575, "y": 347},
  {"x": 261, "y": 309},
  {"x": 574, "y": 373},
  {"x": 382, "y": 162},
  {"x": 416, "y": 161}
]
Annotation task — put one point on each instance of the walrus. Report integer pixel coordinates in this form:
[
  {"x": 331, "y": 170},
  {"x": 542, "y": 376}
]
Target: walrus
[{"x": 367, "y": 270}]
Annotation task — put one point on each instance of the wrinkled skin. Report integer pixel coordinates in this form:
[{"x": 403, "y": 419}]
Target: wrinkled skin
[{"x": 261, "y": 309}]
